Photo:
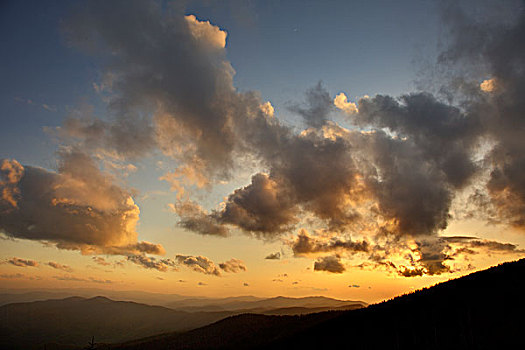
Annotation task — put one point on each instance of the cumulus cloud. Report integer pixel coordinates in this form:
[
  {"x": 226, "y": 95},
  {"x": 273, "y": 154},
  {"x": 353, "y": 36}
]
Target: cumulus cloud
[
  {"x": 305, "y": 245},
  {"x": 148, "y": 262},
  {"x": 199, "y": 263},
  {"x": 22, "y": 262},
  {"x": 58, "y": 266},
  {"x": 383, "y": 187},
  {"x": 194, "y": 218},
  {"x": 233, "y": 266},
  {"x": 206, "y": 32},
  {"x": 329, "y": 264},
  {"x": 78, "y": 207},
  {"x": 342, "y": 103}
]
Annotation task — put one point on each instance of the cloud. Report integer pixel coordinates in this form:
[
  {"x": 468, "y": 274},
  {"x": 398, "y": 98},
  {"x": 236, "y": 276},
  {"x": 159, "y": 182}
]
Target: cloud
[
  {"x": 305, "y": 245},
  {"x": 199, "y": 263},
  {"x": 274, "y": 256},
  {"x": 488, "y": 85},
  {"x": 100, "y": 260},
  {"x": 148, "y": 262},
  {"x": 206, "y": 32},
  {"x": 342, "y": 103},
  {"x": 10, "y": 276},
  {"x": 317, "y": 107},
  {"x": 384, "y": 186},
  {"x": 58, "y": 266},
  {"x": 77, "y": 208},
  {"x": 267, "y": 109},
  {"x": 194, "y": 218},
  {"x": 329, "y": 264},
  {"x": 233, "y": 266},
  {"x": 261, "y": 207},
  {"x": 70, "y": 278},
  {"x": 22, "y": 262},
  {"x": 181, "y": 78}
]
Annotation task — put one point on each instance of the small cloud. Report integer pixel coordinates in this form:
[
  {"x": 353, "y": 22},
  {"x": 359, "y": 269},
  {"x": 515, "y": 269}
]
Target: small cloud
[
  {"x": 152, "y": 263},
  {"x": 22, "y": 262},
  {"x": 49, "y": 108},
  {"x": 329, "y": 264},
  {"x": 100, "y": 260},
  {"x": 23, "y": 100},
  {"x": 11, "y": 276},
  {"x": 199, "y": 263},
  {"x": 233, "y": 266},
  {"x": 274, "y": 256},
  {"x": 58, "y": 266},
  {"x": 71, "y": 278},
  {"x": 488, "y": 85}
]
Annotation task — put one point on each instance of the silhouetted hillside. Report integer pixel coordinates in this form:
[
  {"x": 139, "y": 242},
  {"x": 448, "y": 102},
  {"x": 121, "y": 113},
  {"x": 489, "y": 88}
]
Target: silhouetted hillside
[
  {"x": 483, "y": 310},
  {"x": 74, "y": 320}
]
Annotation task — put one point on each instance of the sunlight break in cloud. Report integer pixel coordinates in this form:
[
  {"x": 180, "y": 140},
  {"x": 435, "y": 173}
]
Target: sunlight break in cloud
[{"x": 341, "y": 102}]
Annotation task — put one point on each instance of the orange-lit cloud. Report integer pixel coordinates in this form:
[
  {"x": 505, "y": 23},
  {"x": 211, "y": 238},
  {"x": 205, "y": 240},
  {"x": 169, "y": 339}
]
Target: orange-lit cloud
[
  {"x": 22, "y": 262},
  {"x": 342, "y": 103},
  {"x": 78, "y": 208}
]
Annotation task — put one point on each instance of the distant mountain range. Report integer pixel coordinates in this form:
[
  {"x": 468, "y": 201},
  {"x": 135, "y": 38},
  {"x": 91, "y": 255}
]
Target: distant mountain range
[
  {"x": 73, "y": 320},
  {"x": 484, "y": 310}
]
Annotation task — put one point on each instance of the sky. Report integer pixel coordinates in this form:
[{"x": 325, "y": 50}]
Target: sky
[{"x": 358, "y": 150}]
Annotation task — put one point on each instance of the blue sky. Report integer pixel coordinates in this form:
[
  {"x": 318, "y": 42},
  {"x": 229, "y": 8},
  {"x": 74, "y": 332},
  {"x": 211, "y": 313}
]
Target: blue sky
[{"x": 278, "y": 48}]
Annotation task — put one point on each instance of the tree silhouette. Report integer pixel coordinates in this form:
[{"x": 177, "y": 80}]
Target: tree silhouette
[{"x": 91, "y": 344}]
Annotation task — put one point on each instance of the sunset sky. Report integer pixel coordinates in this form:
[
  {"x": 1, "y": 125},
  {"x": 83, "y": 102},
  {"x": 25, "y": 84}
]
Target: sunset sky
[{"x": 351, "y": 149}]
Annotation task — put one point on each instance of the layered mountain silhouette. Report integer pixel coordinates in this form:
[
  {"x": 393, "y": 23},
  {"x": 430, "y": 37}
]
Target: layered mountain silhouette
[
  {"x": 483, "y": 310},
  {"x": 73, "y": 320}
]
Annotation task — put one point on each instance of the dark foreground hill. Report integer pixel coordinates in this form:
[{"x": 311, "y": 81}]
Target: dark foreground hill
[{"x": 484, "y": 310}]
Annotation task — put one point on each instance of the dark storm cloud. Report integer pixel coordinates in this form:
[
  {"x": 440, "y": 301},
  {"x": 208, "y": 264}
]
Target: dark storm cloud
[{"x": 329, "y": 264}]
